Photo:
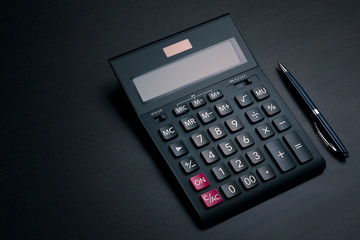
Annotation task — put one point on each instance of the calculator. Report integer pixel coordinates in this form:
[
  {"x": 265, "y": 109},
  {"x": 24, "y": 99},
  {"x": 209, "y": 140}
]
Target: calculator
[{"x": 224, "y": 132}]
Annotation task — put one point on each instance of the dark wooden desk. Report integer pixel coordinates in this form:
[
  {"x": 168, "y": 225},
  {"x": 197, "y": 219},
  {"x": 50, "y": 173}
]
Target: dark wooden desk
[{"x": 74, "y": 164}]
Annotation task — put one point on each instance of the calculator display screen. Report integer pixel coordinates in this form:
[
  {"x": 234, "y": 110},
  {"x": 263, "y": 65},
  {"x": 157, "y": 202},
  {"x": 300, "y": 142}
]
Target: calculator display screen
[{"x": 190, "y": 69}]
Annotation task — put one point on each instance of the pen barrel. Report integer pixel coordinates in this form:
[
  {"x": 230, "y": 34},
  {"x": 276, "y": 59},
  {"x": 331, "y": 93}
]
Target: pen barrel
[{"x": 303, "y": 97}]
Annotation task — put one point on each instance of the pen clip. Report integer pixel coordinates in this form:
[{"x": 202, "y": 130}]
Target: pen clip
[{"x": 323, "y": 138}]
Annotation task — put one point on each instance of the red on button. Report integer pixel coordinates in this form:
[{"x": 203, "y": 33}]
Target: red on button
[
  {"x": 199, "y": 181},
  {"x": 211, "y": 198}
]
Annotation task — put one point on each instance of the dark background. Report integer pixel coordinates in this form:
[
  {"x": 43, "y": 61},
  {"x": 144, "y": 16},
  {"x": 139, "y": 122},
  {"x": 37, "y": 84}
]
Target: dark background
[{"x": 76, "y": 165}]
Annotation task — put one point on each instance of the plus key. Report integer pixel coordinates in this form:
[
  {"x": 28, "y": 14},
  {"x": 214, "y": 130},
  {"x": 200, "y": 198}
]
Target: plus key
[{"x": 280, "y": 155}]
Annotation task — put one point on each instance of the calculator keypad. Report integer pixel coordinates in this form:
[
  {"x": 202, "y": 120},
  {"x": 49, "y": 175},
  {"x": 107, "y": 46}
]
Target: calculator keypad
[{"x": 227, "y": 132}]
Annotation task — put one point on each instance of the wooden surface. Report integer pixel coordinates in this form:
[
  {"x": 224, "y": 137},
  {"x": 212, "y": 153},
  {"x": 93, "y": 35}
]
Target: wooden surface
[{"x": 76, "y": 165}]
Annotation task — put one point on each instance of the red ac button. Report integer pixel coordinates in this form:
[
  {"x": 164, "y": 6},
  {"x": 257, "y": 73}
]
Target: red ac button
[{"x": 211, "y": 198}]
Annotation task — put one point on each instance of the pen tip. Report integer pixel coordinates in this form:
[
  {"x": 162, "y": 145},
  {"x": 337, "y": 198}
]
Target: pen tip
[{"x": 282, "y": 67}]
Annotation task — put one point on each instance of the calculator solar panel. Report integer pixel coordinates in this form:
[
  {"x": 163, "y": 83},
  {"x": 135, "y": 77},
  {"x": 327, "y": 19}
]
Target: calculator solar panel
[{"x": 222, "y": 129}]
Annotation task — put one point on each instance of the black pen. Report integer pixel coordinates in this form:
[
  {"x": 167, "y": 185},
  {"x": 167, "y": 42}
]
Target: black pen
[{"x": 327, "y": 135}]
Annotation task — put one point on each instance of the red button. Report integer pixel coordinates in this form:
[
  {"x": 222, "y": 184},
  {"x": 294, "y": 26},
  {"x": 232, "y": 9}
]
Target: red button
[
  {"x": 211, "y": 198},
  {"x": 199, "y": 181}
]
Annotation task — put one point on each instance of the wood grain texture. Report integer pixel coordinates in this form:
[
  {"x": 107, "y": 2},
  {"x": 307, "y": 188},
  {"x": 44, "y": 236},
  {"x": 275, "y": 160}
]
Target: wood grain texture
[{"x": 76, "y": 165}]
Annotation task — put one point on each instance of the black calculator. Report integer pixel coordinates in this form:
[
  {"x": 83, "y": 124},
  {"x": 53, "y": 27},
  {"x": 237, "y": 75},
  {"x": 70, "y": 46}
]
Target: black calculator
[{"x": 219, "y": 124}]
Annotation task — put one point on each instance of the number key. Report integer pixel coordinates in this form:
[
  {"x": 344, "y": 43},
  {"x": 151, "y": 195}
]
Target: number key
[
  {"x": 245, "y": 140},
  {"x": 231, "y": 189},
  {"x": 238, "y": 164},
  {"x": 227, "y": 148},
  {"x": 234, "y": 124},
  {"x": 221, "y": 172},
  {"x": 200, "y": 139},
  {"x": 217, "y": 131},
  {"x": 255, "y": 156},
  {"x": 249, "y": 181},
  {"x": 210, "y": 155}
]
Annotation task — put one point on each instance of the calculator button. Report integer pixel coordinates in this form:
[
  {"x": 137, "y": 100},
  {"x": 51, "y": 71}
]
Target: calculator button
[
  {"x": 245, "y": 140},
  {"x": 249, "y": 180},
  {"x": 221, "y": 172},
  {"x": 207, "y": 115},
  {"x": 234, "y": 124},
  {"x": 254, "y": 115},
  {"x": 281, "y": 123},
  {"x": 210, "y": 155},
  {"x": 244, "y": 99},
  {"x": 198, "y": 102},
  {"x": 215, "y": 95},
  {"x": 211, "y": 198},
  {"x": 224, "y": 108},
  {"x": 189, "y": 123},
  {"x": 200, "y": 139},
  {"x": 298, "y": 147},
  {"x": 199, "y": 182},
  {"x": 280, "y": 155},
  {"x": 255, "y": 156},
  {"x": 217, "y": 132},
  {"x": 230, "y": 189},
  {"x": 260, "y": 93},
  {"x": 189, "y": 165},
  {"x": 265, "y": 131},
  {"x": 238, "y": 164},
  {"x": 227, "y": 148},
  {"x": 179, "y": 110},
  {"x": 266, "y": 172},
  {"x": 271, "y": 108},
  {"x": 168, "y": 132},
  {"x": 178, "y": 149}
]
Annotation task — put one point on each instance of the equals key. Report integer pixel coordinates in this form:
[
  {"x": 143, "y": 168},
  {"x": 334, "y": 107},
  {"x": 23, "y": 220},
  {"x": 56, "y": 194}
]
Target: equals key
[{"x": 298, "y": 147}]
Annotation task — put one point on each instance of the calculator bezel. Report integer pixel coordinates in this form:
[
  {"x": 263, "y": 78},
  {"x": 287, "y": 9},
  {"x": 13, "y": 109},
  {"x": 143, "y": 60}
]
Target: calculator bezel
[{"x": 152, "y": 56}]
